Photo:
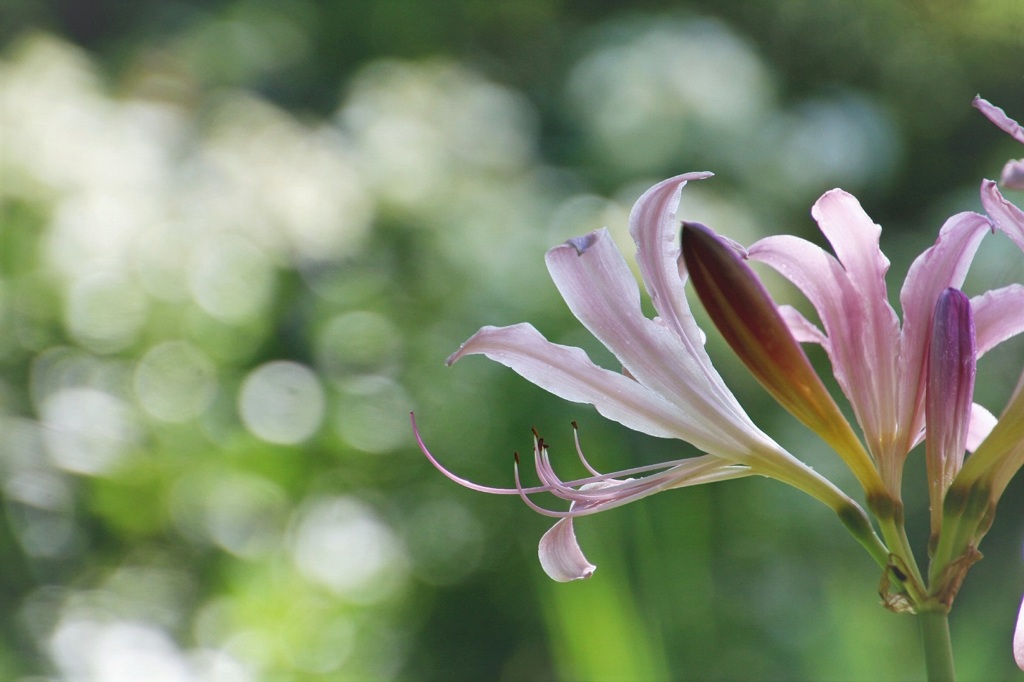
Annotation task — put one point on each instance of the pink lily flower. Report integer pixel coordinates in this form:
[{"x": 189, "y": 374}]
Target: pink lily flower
[
  {"x": 869, "y": 350},
  {"x": 880, "y": 364},
  {"x": 913, "y": 381},
  {"x": 668, "y": 387},
  {"x": 908, "y": 380},
  {"x": 1013, "y": 171}
]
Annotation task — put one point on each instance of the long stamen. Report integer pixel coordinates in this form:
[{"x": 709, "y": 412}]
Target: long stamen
[
  {"x": 524, "y": 496},
  {"x": 630, "y": 492},
  {"x": 586, "y": 495},
  {"x": 578, "y": 490},
  {"x": 586, "y": 502},
  {"x": 598, "y": 477},
  {"x": 618, "y": 493},
  {"x": 579, "y": 450},
  {"x": 584, "y": 507},
  {"x": 465, "y": 483}
]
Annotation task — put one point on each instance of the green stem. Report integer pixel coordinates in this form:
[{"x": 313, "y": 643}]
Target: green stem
[
  {"x": 856, "y": 521},
  {"x": 896, "y": 539},
  {"x": 938, "y": 649}
]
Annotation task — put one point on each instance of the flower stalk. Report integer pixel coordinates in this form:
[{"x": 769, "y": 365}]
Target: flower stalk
[{"x": 938, "y": 647}]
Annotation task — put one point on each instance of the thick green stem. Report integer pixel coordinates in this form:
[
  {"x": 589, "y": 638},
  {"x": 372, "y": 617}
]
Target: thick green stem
[{"x": 938, "y": 648}]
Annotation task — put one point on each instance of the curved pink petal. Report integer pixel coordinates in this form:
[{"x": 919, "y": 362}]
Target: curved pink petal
[
  {"x": 655, "y": 229},
  {"x": 814, "y": 271},
  {"x": 1004, "y": 214},
  {"x": 803, "y": 329},
  {"x": 998, "y": 315},
  {"x": 568, "y": 373},
  {"x": 982, "y": 422},
  {"x": 870, "y": 333},
  {"x": 560, "y": 555},
  {"x": 1013, "y": 174},
  {"x": 845, "y": 316},
  {"x": 1013, "y": 171},
  {"x": 599, "y": 288},
  {"x": 559, "y": 551},
  {"x": 999, "y": 117},
  {"x": 1018, "y": 639},
  {"x": 855, "y": 240},
  {"x": 942, "y": 265}
]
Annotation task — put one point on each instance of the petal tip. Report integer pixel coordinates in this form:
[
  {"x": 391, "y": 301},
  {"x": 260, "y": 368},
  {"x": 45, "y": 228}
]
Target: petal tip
[
  {"x": 470, "y": 345},
  {"x": 453, "y": 358},
  {"x": 581, "y": 244},
  {"x": 457, "y": 355},
  {"x": 1018, "y": 639}
]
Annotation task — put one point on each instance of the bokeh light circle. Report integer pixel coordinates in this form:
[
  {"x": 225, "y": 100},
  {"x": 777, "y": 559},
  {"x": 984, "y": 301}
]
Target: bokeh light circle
[
  {"x": 343, "y": 545},
  {"x": 104, "y": 312},
  {"x": 282, "y": 402},
  {"x": 88, "y": 431},
  {"x": 175, "y": 381},
  {"x": 358, "y": 343}
]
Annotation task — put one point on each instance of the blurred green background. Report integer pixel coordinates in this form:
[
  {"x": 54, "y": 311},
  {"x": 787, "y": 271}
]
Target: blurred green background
[{"x": 238, "y": 238}]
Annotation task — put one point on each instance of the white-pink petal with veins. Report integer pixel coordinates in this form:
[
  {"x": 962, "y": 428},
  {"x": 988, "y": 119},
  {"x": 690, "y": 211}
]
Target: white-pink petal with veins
[
  {"x": 599, "y": 288},
  {"x": 870, "y": 332},
  {"x": 568, "y": 373},
  {"x": 654, "y": 226}
]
